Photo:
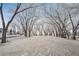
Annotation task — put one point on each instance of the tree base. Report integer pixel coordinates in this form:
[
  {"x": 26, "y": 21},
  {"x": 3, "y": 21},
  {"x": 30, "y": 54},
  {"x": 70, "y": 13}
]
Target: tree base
[{"x": 3, "y": 41}]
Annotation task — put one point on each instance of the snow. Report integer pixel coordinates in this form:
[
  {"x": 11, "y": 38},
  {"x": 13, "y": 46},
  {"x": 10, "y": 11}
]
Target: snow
[{"x": 39, "y": 46}]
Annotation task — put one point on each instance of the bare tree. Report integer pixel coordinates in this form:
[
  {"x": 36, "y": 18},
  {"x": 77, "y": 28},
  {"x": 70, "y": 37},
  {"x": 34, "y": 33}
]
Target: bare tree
[
  {"x": 16, "y": 11},
  {"x": 58, "y": 18},
  {"x": 5, "y": 28},
  {"x": 32, "y": 22},
  {"x": 71, "y": 15},
  {"x": 27, "y": 20}
]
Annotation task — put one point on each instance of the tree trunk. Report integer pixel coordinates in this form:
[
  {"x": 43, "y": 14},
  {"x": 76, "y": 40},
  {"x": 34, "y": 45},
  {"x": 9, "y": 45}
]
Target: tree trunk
[
  {"x": 25, "y": 34},
  {"x": 29, "y": 33},
  {"x": 73, "y": 37},
  {"x": 3, "y": 36},
  {"x": 46, "y": 34},
  {"x": 63, "y": 35},
  {"x": 56, "y": 34}
]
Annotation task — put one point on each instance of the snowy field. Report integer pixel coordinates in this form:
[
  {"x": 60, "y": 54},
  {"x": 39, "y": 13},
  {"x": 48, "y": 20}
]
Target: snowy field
[{"x": 39, "y": 46}]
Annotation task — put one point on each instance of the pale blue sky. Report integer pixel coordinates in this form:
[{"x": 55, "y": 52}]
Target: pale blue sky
[{"x": 8, "y": 6}]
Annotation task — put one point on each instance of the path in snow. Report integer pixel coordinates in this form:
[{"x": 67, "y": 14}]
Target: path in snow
[{"x": 40, "y": 46}]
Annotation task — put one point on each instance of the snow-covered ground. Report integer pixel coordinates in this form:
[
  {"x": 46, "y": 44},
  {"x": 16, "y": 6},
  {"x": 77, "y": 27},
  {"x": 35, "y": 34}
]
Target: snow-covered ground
[{"x": 39, "y": 46}]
